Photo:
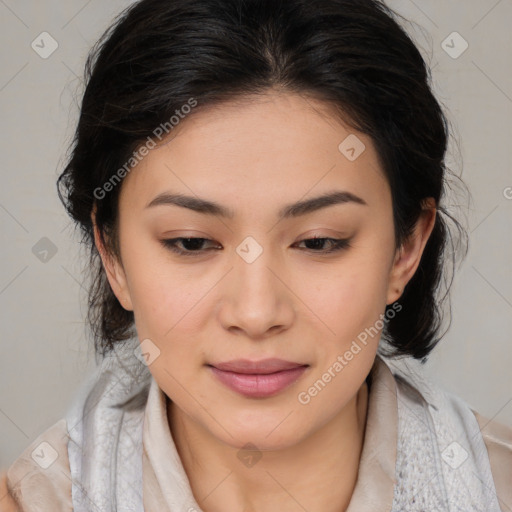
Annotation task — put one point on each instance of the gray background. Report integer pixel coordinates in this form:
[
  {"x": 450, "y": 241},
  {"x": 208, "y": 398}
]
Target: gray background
[{"x": 45, "y": 353}]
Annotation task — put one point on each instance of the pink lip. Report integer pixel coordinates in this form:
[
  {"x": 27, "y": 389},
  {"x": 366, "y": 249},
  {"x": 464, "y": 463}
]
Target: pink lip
[{"x": 258, "y": 379}]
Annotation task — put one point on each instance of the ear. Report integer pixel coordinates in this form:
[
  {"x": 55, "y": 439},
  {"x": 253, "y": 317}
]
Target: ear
[
  {"x": 408, "y": 256},
  {"x": 113, "y": 268}
]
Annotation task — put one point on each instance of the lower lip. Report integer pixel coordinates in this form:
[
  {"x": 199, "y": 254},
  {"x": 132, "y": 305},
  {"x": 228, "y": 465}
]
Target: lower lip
[{"x": 259, "y": 385}]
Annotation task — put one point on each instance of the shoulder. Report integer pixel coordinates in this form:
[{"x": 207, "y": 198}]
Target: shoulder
[
  {"x": 40, "y": 478},
  {"x": 498, "y": 441},
  {"x": 7, "y": 501}
]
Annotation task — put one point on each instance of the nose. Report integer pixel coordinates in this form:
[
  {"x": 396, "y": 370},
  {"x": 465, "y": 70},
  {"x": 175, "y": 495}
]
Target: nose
[{"x": 256, "y": 302}]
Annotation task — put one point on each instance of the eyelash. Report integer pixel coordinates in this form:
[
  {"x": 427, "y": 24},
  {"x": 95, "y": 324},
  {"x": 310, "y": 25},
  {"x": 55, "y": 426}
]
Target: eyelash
[{"x": 336, "y": 245}]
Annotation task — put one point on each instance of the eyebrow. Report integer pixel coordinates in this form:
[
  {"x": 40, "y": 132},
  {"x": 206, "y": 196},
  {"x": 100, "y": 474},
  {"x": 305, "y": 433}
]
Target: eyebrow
[{"x": 289, "y": 211}]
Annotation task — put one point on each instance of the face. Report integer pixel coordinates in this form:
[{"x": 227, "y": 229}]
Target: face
[{"x": 250, "y": 281}]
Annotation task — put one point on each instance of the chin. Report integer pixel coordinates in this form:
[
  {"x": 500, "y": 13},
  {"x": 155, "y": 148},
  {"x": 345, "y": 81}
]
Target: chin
[{"x": 260, "y": 434}]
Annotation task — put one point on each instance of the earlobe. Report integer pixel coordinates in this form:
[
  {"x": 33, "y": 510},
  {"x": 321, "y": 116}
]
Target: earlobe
[
  {"x": 113, "y": 269},
  {"x": 408, "y": 256}
]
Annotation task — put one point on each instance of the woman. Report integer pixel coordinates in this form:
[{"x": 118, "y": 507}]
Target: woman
[{"x": 260, "y": 185}]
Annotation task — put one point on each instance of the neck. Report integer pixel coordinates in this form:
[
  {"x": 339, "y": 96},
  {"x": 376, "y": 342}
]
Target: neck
[{"x": 317, "y": 474}]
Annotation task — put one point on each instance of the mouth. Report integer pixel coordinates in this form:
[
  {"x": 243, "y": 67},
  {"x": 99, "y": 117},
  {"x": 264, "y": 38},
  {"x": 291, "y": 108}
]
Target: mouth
[{"x": 258, "y": 379}]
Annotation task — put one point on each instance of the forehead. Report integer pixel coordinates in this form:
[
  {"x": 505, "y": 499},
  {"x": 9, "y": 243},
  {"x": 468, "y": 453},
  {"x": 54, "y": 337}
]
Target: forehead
[{"x": 260, "y": 150}]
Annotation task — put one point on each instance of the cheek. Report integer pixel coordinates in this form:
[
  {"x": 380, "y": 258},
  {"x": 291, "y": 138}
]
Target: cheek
[
  {"x": 166, "y": 298},
  {"x": 166, "y": 313},
  {"x": 161, "y": 306},
  {"x": 350, "y": 296}
]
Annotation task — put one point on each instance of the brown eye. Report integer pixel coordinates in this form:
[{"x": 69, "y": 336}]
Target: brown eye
[
  {"x": 318, "y": 242},
  {"x": 192, "y": 246}
]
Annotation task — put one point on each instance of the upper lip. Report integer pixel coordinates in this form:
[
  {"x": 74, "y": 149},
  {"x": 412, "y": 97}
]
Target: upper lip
[{"x": 264, "y": 366}]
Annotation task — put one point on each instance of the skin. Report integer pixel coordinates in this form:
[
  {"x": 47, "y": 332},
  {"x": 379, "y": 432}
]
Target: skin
[{"x": 255, "y": 156}]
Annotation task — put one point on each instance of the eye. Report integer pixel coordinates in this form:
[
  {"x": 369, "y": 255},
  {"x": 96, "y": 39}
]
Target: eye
[
  {"x": 336, "y": 244},
  {"x": 193, "y": 246}
]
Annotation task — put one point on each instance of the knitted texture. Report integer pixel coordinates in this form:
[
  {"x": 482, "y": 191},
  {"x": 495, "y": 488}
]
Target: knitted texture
[
  {"x": 442, "y": 462},
  {"x": 418, "y": 469}
]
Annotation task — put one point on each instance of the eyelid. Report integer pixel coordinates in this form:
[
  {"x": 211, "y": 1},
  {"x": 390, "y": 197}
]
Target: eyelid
[{"x": 324, "y": 233}]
